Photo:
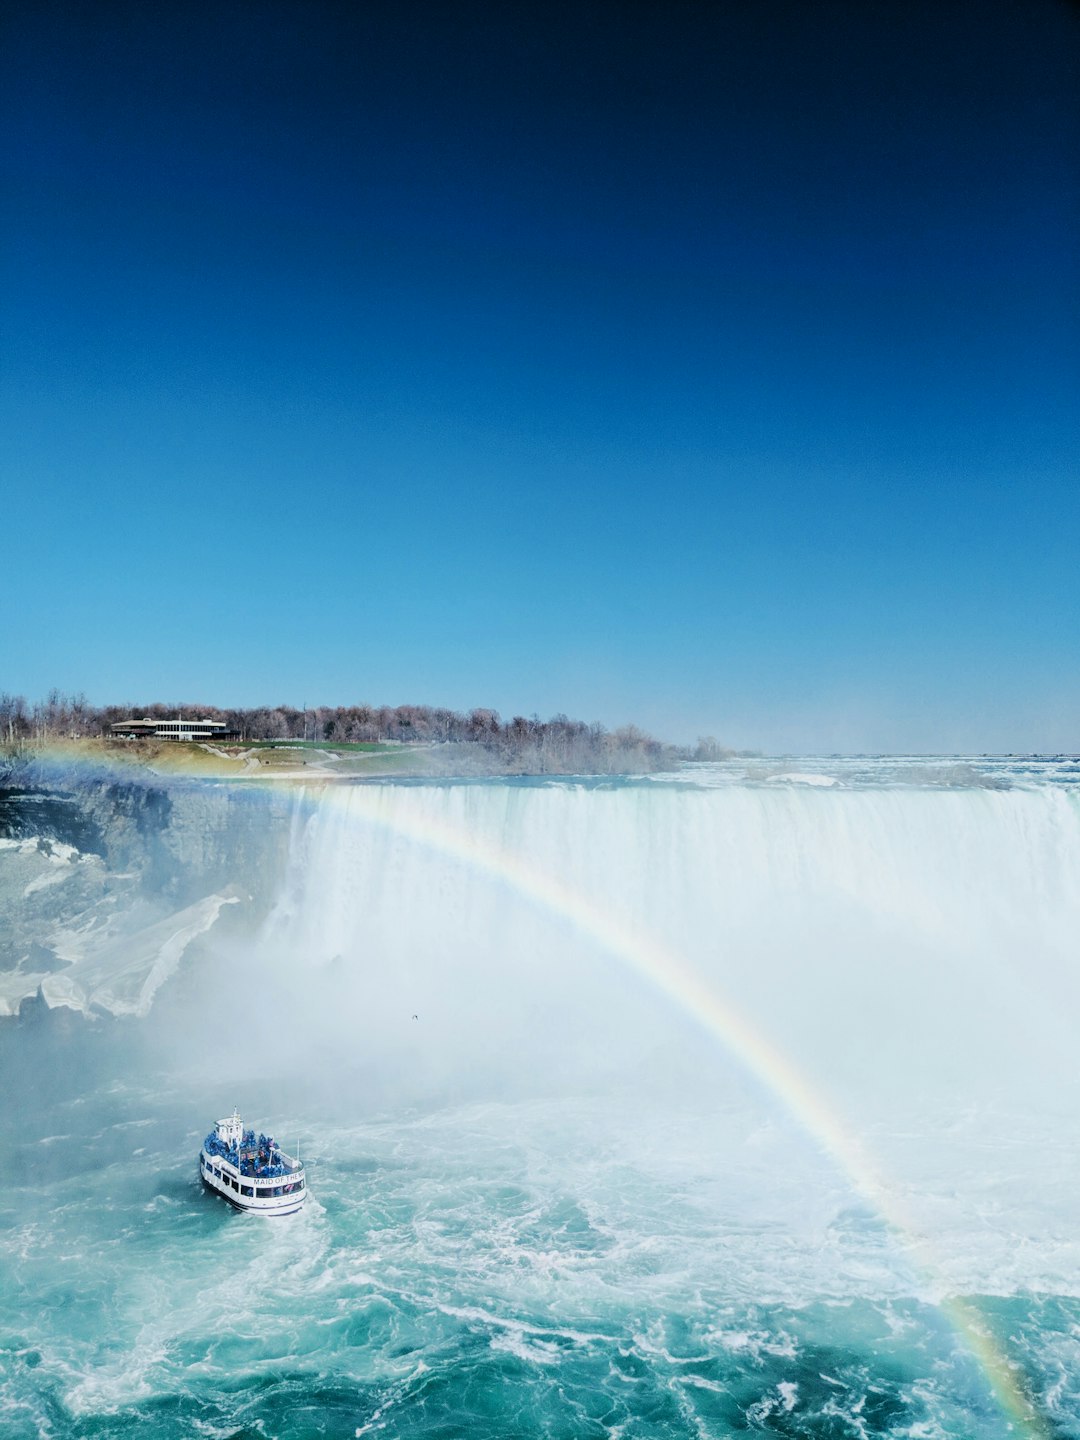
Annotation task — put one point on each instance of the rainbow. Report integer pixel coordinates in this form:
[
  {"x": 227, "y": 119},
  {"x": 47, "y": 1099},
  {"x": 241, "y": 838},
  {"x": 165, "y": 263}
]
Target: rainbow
[{"x": 670, "y": 975}]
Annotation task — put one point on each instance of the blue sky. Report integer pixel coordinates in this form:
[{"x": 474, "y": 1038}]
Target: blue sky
[{"x": 709, "y": 366}]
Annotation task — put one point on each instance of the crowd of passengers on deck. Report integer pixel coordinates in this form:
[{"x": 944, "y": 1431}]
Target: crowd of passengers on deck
[{"x": 256, "y": 1156}]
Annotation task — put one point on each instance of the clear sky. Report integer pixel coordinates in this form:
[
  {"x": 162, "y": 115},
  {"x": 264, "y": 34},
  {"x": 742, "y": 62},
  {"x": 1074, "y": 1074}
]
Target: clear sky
[{"x": 712, "y": 366}]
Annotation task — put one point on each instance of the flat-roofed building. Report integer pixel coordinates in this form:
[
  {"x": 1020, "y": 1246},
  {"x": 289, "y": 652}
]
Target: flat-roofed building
[{"x": 178, "y": 729}]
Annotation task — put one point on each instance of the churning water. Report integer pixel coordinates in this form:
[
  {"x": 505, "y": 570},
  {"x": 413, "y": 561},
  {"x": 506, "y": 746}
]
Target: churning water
[{"x": 677, "y": 1107}]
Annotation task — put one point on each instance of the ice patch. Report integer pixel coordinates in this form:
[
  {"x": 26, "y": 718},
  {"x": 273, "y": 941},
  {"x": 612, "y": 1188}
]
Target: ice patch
[
  {"x": 40, "y": 845},
  {"x": 43, "y": 882},
  {"x": 117, "y": 974}
]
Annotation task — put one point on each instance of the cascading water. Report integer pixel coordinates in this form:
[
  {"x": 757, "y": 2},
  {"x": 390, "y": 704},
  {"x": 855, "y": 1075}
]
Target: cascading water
[
  {"x": 896, "y": 942},
  {"x": 657, "y": 1108}
]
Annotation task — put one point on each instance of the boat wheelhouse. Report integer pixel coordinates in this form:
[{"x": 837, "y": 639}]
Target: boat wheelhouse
[{"x": 251, "y": 1171}]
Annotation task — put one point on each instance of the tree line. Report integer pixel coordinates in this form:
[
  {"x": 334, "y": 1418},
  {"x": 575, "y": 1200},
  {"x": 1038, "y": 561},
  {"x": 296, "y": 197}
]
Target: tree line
[{"x": 478, "y": 738}]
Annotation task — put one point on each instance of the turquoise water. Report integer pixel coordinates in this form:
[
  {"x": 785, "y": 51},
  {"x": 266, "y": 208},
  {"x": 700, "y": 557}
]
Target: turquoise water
[
  {"x": 553, "y": 1205},
  {"x": 548, "y": 1269}
]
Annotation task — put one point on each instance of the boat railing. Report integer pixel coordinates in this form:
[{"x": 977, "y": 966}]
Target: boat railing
[{"x": 251, "y": 1160}]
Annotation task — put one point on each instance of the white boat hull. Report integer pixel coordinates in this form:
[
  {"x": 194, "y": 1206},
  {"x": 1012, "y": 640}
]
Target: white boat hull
[{"x": 254, "y": 1196}]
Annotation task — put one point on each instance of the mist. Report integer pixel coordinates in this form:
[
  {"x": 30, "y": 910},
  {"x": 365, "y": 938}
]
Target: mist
[{"x": 470, "y": 1007}]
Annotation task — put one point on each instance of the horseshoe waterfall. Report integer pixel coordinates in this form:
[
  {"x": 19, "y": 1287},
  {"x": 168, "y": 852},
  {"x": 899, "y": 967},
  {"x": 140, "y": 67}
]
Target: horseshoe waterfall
[{"x": 735, "y": 1100}]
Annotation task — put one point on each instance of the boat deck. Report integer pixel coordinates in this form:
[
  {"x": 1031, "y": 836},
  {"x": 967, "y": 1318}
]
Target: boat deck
[{"x": 250, "y": 1163}]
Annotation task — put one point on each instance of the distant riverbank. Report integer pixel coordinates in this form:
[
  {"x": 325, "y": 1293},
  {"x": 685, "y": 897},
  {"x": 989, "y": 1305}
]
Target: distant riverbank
[
  {"x": 287, "y": 760},
  {"x": 340, "y": 741}
]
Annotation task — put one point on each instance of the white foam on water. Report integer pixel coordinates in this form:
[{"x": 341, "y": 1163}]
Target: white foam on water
[{"x": 552, "y": 1161}]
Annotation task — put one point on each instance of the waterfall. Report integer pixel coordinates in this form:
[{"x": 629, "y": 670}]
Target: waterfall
[
  {"x": 892, "y": 940},
  {"x": 754, "y": 1096}
]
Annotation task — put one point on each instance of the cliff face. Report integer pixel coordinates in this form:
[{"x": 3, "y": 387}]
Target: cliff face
[{"x": 104, "y": 883}]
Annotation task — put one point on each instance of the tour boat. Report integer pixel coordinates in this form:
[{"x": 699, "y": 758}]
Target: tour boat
[{"x": 251, "y": 1171}]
